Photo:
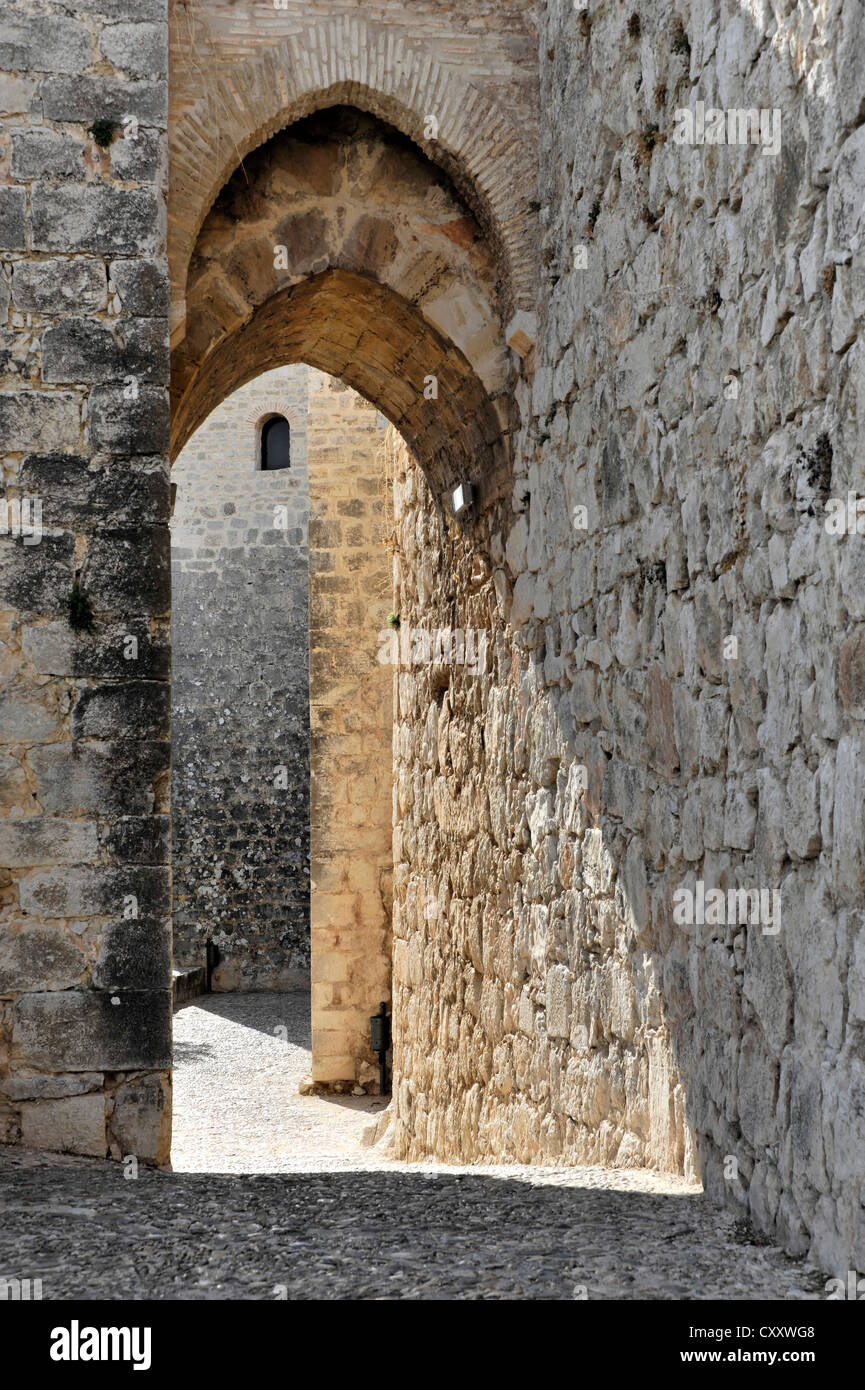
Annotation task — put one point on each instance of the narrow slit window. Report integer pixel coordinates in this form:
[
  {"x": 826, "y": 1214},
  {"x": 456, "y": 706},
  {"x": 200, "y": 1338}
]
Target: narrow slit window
[{"x": 275, "y": 443}]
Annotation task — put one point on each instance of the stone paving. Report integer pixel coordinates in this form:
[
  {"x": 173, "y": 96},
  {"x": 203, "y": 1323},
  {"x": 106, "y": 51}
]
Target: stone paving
[{"x": 273, "y": 1196}]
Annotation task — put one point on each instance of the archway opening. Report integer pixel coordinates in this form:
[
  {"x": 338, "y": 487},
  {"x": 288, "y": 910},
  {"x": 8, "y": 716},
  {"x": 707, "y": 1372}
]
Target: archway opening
[
  {"x": 345, "y": 250},
  {"x": 282, "y": 718}
]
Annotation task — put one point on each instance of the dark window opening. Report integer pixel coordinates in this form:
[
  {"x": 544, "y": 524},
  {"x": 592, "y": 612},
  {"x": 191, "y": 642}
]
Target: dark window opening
[{"x": 276, "y": 443}]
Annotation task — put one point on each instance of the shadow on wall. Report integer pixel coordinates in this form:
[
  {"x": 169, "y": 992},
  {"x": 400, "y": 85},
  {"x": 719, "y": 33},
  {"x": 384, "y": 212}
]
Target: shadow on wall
[{"x": 676, "y": 699}]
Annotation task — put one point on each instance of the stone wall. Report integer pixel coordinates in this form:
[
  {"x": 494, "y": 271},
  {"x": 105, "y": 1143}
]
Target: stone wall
[
  {"x": 351, "y": 714},
  {"x": 85, "y": 955},
  {"x": 672, "y": 693},
  {"x": 240, "y": 692},
  {"x": 676, "y": 691}
]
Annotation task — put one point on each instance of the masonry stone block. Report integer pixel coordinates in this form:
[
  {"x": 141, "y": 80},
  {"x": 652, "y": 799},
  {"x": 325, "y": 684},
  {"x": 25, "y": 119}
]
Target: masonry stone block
[
  {"x": 36, "y": 578},
  {"x": 39, "y": 957},
  {"x": 43, "y": 43},
  {"x": 56, "y": 287},
  {"x": 117, "y": 583},
  {"x": 127, "y": 422},
  {"x": 25, "y": 1086},
  {"x": 142, "y": 285},
  {"x": 90, "y": 217},
  {"x": 80, "y": 350},
  {"x": 140, "y": 1119},
  {"x": 140, "y": 157},
  {"x": 134, "y": 955},
  {"x": 114, "y": 650},
  {"x": 110, "y": 778},
  {"x": 43, "y": 154},
  {"x": 75, "y": 1125},
  {"x": 136, "y": 892},
  {"x": 138, "y": 839},
  {"x": 78, "y": 98},
  {"x": 78, "y": 1030},
  {"x": 139, "y": 49},
  {"x": 139, "y": 709},
  {"x": 36, "y": 421},
  {"x": 31, "y": 840},
  {"x": 98, "y": 491}
]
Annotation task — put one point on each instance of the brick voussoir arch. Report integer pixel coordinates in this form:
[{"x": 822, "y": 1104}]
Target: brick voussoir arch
[
  {"x": 351, "y": 61},
  {"x": 355, "y": 328}
]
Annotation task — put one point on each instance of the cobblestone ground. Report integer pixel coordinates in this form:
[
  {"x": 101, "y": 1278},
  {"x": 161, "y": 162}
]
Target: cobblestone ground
[{"x": 272, "y": 1196}]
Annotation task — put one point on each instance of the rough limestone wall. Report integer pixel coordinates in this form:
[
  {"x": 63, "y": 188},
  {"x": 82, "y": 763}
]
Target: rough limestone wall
[
  {"x": 85, "y": 949},
  {"x": 240, "y": 692},
  {"x": 351, "y": 714},
  {"x": 698, "y": 388}
]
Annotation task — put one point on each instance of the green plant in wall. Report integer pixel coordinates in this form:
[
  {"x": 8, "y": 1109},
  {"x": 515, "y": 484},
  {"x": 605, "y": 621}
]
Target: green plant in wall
[
  {"x": 79, "y": 610},
  {"x": 102, "y": 132},
  {"x": 393, "y": 620}
]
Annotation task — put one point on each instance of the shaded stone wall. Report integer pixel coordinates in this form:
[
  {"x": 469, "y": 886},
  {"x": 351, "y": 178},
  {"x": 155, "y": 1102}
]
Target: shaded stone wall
[
  {"x": 240, "y": 692},
  {"x": 85, "y": 951},
  {"x": 678, "y": 700}
]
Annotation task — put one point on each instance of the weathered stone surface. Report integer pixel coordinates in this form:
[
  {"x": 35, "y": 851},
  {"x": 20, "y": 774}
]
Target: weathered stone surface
[
  {"x": 87, "y": 217},
  {"x": 124, "y": 9},
  {"x": 36, "y": 578},
  {"x": 30, "y": 420},
  {"x": 140, "y": 1120},
  {"x": 76, "y": 1125},
  {"x": 138, "y": 839},
  {"x": 55, "y": 287},
  {"x": 43, "y": 43},
  {"x": 118, "y": 585},
  {"x": 140, "y": 708},
  {"x": 24, "y": 1087},
  {"x": 80, "y": 350},
  {"x": 134, "y": 955},
  {"x": 97, "y": 891},
  {"x": 98, "y": 492},
  {"x": 76, "y": 99},
  {"x": 108, "y": 778},
  {"x": 17, "y": 94},
  {"x": 46, "y": 840},
  {"x": 26, "y": 719},
  {"x": 63, "y": 782},
  {"x": 113, "y": 651},
  {"x": 80, "y": 1031},
  {"x": 122, "y": 425},
  {"x": 42, "y": 154},
  {"x": 39, "y": 957},
  {"x": 139, "y": 49},
  {"x": 142, "y": 286},
  {"x": 140, "y": 159}
]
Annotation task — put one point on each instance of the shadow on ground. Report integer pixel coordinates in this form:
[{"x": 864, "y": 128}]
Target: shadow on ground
[{"x": 87, "y": 1232}]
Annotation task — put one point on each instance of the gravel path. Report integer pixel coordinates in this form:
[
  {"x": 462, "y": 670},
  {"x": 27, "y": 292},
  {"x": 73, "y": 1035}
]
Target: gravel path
[
  {"x": 252, "y": 1051},
  {"x": 272, "y": 1197}
]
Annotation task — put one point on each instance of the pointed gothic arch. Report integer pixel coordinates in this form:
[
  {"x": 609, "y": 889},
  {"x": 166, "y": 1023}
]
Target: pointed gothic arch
[{"x": 355, "y": 61}]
